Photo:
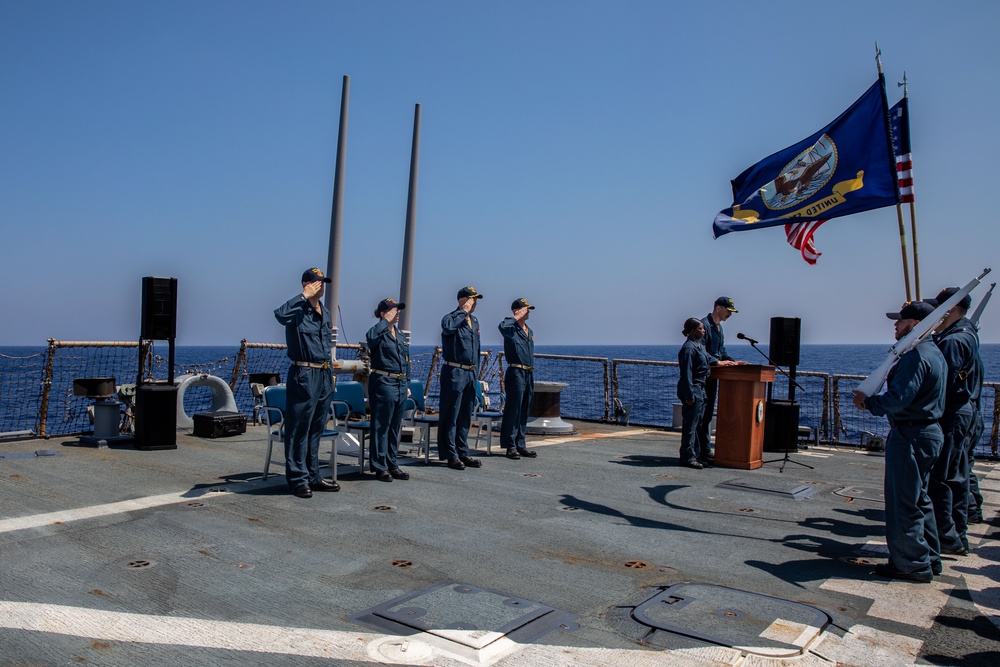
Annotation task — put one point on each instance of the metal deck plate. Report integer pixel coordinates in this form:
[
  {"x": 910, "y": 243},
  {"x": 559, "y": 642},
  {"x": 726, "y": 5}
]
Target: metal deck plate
[
  {"x": 471, "y": 617},
  {"x": 862, "y": 493},
  {"x": 729, "y": 617},
  {"x": 776, "y": 487}
]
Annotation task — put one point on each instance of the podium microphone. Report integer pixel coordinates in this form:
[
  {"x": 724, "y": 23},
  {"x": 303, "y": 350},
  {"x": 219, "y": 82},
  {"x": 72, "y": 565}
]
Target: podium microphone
[{"x": 748, "y": 339}]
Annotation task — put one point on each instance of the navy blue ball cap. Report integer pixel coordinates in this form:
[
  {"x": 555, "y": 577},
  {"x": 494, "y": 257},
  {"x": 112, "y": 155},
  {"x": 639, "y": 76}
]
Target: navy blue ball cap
[
  {"x": 913, "y": 310},
  {"x": 521, "y": 303},
  {"x": 726, "y": 303},
  {"x": 469, "y": 292},
  {"x": 314, "y": 274},
  {"x": 387, "y": 304},
  {"x": 946, "y": 294}
]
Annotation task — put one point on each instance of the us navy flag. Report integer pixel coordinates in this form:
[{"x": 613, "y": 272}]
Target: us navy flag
[{"x": 844, "y": 168}]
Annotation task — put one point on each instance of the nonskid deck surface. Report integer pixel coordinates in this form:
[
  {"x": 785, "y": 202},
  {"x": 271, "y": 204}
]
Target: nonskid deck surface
[{"x": 601, "y": 551}]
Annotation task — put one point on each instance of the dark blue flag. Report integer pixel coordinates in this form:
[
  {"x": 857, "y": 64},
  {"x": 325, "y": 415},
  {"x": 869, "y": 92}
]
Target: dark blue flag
[{"x": 845, "y": 168}]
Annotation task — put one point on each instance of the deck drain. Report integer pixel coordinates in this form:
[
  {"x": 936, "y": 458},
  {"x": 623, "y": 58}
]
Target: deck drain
[
  {"x": 636, "y": 564},
  {"x": 383, "y": 508},
  {"x": 139, "y": 564},
  {"x": 746, "y": 509},
  {"x": 243, "y": 566},
  {"x": 196, "y": 504},
  {"x": 399, "y": 562},
  {"x": 568, "y": 508},
  {"x": 218, "y": 489},
  {"x": 529, "y": 474},
  {"x": 664, "y": 475}
]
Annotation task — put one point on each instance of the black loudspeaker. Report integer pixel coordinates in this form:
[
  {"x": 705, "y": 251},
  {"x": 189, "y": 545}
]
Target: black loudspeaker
[
  {"x": 156, "y": 416},
  {"x": 781, "y": 427},
  {"x": 159, "y": 308},
  {"x": 785, "y": 334}
]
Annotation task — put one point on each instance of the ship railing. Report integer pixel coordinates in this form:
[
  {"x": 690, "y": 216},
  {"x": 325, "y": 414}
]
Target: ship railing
[
  {"x": 861, "y": 428},
  {"x": 37, "y": 390}
]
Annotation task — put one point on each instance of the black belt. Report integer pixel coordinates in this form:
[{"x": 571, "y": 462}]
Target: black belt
[
  {"x": 396, "y": 376},
  {"x": 914, "y": 422}
]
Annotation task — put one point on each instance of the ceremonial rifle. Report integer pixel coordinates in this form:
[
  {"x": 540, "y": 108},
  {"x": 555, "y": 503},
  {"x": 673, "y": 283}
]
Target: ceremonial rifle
[
  {"x": 873, "y": 382},
  {"x": 981, "y": 307}
]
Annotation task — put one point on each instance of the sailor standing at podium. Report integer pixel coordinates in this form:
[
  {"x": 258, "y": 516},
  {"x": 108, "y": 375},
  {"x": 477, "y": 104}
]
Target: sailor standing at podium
[
  {"x": 914, "y": 402},
  {"x": 715, "y": 344},
  {"x": 694, "y": 370}
]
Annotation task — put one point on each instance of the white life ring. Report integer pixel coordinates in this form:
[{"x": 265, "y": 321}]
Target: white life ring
[{"x": 222, "y": 396}]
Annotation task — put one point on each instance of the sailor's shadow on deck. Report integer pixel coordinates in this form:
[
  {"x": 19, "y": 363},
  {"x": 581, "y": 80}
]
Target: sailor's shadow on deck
[
  {"x": 791, "y": 571},
  {"x": 643, "y": 461},
  {"x": 638, "y": 521}
]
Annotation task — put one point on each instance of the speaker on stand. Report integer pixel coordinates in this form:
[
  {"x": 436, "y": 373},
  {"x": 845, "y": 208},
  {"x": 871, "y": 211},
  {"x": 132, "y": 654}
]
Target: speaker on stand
[
  {"x": 156, "y": 402},
  {"x": 781, "y": 429}
]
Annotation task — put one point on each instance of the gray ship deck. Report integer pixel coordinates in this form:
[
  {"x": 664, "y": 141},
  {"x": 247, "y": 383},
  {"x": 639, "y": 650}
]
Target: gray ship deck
[{"x": 602, "y": 551}]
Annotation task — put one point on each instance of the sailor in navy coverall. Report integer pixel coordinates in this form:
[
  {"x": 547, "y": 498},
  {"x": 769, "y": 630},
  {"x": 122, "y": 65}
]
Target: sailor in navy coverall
[
  {"x": 694, "y": 370},
  {"x": 309, "y": 385},
  {"x": 388, "y": 388},
  {"x": 958, "y": 341},
  {"x": 459, "y": 372},
  {"x": 715, "y": 345},
  {"x": 519, "y": 380},
  {"x": 914, "y": 402}
]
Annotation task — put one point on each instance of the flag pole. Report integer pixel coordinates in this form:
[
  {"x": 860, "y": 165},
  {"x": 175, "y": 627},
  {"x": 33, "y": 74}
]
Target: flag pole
[
  {"x": 892, "y": 161},
  {"x": 913, "y": 210}
]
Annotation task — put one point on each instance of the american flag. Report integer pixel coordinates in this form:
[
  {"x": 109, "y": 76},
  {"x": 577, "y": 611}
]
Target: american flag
[
  {"x": 800, "y": 237},
  {"x": 899, "y": 124}
]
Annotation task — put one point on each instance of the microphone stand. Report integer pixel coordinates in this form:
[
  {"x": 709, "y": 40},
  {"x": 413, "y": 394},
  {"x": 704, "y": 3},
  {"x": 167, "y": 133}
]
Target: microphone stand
[
  {"x": 791, "y": 379},
  {"x": 753, "y": 344}
]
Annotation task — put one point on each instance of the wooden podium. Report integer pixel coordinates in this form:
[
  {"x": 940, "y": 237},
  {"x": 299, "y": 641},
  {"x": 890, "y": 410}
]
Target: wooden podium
[{"x": 739, "y": 423}]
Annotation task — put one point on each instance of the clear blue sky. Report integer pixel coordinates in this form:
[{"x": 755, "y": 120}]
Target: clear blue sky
[{"x": 574, "y": 153}]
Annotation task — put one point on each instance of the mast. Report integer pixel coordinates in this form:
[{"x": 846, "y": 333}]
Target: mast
[
  {"x": 409, "y": 235},
  {"x": 331, "y": 298}
]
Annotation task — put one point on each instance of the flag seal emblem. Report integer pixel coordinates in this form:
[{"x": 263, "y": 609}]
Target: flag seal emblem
[{"x": 803, "y": 177}]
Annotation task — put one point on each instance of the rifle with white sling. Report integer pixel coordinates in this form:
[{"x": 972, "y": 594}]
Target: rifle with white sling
[{"x": 874, "y": 382}]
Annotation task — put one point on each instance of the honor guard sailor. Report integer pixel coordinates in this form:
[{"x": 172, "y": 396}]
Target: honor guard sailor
[
  {"x": 958, "y": 341},
  {"x": 914, "y": 402}
]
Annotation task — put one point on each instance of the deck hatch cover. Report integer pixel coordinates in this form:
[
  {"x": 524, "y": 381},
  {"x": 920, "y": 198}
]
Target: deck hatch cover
[
  {"x": 776, "y": 487},
  {"x": 467, "y": 615},
  {"x": 747, "y": 621},
  {"x": 861, "y": 493}
]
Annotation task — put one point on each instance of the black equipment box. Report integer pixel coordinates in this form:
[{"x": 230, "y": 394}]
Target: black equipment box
[{"x": 219, "y": 424}]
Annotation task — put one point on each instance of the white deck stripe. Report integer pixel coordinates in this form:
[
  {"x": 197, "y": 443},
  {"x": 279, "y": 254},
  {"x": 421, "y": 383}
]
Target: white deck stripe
[
  {"x": 95, "y": 511},
  {"x": 358, "y": 646},
  {"x": 178, "y": 631}
]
